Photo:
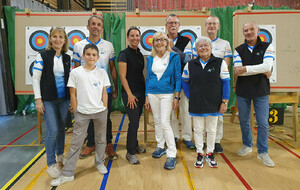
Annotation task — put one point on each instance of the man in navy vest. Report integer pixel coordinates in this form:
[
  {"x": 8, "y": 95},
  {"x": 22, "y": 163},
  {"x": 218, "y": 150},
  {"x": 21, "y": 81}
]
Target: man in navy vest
[
  {"x": 253, "y": 60},
  {"x": 182, "y": 44}
]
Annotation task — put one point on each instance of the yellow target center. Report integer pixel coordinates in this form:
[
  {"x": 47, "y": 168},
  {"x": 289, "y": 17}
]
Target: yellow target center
[
  {"x": 262, "y": 39},
  {"x": 40, "y": 41},
  {"x": 75, "y": 40},
  {"x": 150, "y": 40}
]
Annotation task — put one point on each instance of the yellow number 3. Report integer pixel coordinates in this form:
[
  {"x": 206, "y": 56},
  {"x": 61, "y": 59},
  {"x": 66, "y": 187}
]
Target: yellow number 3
[{"x": 274, "y": 117}]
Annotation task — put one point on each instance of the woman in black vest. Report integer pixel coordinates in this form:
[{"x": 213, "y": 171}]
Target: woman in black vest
[
  {"x": 209, "y": 88},
  {"x": 131, "y": 66},
  {"x": 50, "y": 77}
]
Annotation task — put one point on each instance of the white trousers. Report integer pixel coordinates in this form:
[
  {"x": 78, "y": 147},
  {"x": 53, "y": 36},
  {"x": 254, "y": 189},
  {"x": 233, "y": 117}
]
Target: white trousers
[
  {"x": 210, "y": 124},
  {"x": 161, "y": 105},
  {"x": 219, "y": 134},
  {"x": 186, "y": 119}
]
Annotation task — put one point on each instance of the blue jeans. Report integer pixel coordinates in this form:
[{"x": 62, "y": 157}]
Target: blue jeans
[
  {"x": 261, "y": 108},
  {"x": 55, "y": 119}
]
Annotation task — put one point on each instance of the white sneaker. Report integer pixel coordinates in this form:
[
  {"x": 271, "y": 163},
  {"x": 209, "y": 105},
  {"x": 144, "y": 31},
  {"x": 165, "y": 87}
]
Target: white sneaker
[
  {"x": 61, "y": 180},
  {"x": 266, "y": 159},
  {"x": 61, "y": 159},
  {"x": 53, "y": 171},
  {"x": 102, "y": 169},
  {"x": 244, "y": 150}
]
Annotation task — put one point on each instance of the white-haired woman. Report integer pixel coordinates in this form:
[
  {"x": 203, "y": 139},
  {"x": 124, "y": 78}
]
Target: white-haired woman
[
  {"x": 209, "y": 89},
  {"x": 163, "y": 79}
]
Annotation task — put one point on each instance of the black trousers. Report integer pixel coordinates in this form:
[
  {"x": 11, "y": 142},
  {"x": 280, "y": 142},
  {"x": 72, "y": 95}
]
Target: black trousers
[
  {"x": 134, "y": 120},
  {"x": 91, "y": 133}
]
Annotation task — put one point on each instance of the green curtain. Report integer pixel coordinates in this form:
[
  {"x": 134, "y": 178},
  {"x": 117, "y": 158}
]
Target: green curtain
[
  {"x": 114, "y": 31},
  {"x": 25, "y": 102},
  {"x": 226, "y": 31}
]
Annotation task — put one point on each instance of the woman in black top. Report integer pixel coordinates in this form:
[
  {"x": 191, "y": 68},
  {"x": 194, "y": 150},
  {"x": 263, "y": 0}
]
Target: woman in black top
[{"x": 131, "y": 66}]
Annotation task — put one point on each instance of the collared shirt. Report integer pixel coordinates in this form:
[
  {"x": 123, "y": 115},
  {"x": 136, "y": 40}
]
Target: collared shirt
[{"x": 135, "y": 66}]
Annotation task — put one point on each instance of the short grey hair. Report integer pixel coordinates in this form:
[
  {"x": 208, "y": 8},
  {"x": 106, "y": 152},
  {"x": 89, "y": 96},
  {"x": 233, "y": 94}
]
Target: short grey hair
[
  {"x": 251, "y": 22},
  {"x": 213, "y": 17},
  {"x": 202, "y": 39},
  {"x": 171, "y": 15},
  {"x": 95, "y": 16}
]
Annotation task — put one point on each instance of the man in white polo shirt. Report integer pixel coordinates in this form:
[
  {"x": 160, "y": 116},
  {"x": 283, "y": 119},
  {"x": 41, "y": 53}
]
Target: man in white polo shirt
[
  {"x": 220, "y": 48},
  {"x": 106, "y": 62}
]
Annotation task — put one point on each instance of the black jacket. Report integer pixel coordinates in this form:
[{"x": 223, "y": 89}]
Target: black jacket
[
  {"x": 205, "y": 86},
  {"x": 48, "y": 86},
  {"x": 254, "y": 85}
]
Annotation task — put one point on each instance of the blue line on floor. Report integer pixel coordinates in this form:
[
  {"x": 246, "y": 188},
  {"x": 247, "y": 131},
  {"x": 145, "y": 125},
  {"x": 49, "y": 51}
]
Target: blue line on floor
[{"x": 105, "y": 178}]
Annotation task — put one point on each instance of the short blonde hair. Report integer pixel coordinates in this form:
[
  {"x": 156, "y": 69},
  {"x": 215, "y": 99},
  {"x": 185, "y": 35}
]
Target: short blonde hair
[
  {"x": 158, "y": 35},
  {"x": 61, "y": 31}
]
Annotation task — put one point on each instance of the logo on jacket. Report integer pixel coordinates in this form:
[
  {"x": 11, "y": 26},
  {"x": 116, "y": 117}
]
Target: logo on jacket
[{"x": 211, "y": 70}]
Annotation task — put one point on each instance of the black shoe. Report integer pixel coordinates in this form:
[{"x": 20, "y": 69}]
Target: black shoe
[
  {"x": 176, "y": 140},
  {"x": 218, "y": 148}
]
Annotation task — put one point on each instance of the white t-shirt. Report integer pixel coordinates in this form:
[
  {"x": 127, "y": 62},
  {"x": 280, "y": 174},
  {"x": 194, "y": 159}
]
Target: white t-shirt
[
  {"x": 89, "y": 86},
  {"x": 220, "y": 48},
  {"x": 106, "y": 54},
  {"x": 160, "y": 64}
]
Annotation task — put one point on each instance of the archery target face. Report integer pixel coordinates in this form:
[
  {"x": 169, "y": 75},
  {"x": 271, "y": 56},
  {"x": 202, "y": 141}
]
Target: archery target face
[
  {"x": 74, "y": 37},
  {"x": 38, "y": 40},
  {"x": 31, "y": 69},
  {"x": 147, "y": 33},
  {"x": 192, "y": 32},
  {"x": 265, "y": 35},
  {"x": 268, "y": 34},
  {"x": 146, "y": 39}
]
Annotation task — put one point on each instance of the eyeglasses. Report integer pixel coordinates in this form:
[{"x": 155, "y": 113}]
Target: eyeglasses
[
  {"x": 160, "y": 40},
  {"x": 171, "y": 23},
  {"x": 203, "y": 46}
]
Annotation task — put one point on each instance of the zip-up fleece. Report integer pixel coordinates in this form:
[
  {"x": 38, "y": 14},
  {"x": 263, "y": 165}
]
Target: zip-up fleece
[{"x": 169, "y": 82}]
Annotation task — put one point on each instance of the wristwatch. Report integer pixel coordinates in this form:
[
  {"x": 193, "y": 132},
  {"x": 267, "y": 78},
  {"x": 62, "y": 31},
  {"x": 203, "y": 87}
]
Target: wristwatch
[
  {"x": 226, "y": 103},
  {"x": 177, "y": 97}
]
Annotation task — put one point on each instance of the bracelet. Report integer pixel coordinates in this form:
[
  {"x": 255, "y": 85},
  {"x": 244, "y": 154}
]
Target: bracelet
[
  {"x": 226, "y": 103},
  {"x": 177, "y": 98}
]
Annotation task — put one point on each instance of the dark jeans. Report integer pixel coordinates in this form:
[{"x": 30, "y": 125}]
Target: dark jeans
[
  {"x": 91, "y": 133},
  {"x": 134, "y": 119}
]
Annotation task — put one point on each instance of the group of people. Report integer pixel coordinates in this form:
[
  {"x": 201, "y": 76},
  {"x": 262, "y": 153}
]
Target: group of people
[{"x": 195, "y": 79}]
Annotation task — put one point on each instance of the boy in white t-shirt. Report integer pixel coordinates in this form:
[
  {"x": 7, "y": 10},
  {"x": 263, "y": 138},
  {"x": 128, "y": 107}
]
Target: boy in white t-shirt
[{"x": 89, "y": 98}]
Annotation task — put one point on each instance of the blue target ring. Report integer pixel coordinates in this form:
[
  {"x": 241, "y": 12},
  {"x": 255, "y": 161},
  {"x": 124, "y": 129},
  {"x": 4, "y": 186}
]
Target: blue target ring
[
  {"x": 38, "y": 40},
  {"x": 190, "y": 34},
  {"x": 146, "y": 41},
  {"x": 74, "y": 37},
  {"x": 265, "y": 35}
]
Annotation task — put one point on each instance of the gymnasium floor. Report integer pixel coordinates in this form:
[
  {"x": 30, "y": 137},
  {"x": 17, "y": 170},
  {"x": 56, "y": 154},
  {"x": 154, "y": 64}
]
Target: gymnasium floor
[{"x": 23, "y": 162}]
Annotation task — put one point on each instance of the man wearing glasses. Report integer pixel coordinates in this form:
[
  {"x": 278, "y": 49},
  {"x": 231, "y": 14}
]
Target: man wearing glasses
[
  {"x": 220, "y": 48},
  {"x": 184, "y": 45}
]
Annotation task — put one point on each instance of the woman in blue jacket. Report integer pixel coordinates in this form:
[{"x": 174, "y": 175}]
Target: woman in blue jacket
[{"x": 163, "y": 79}]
